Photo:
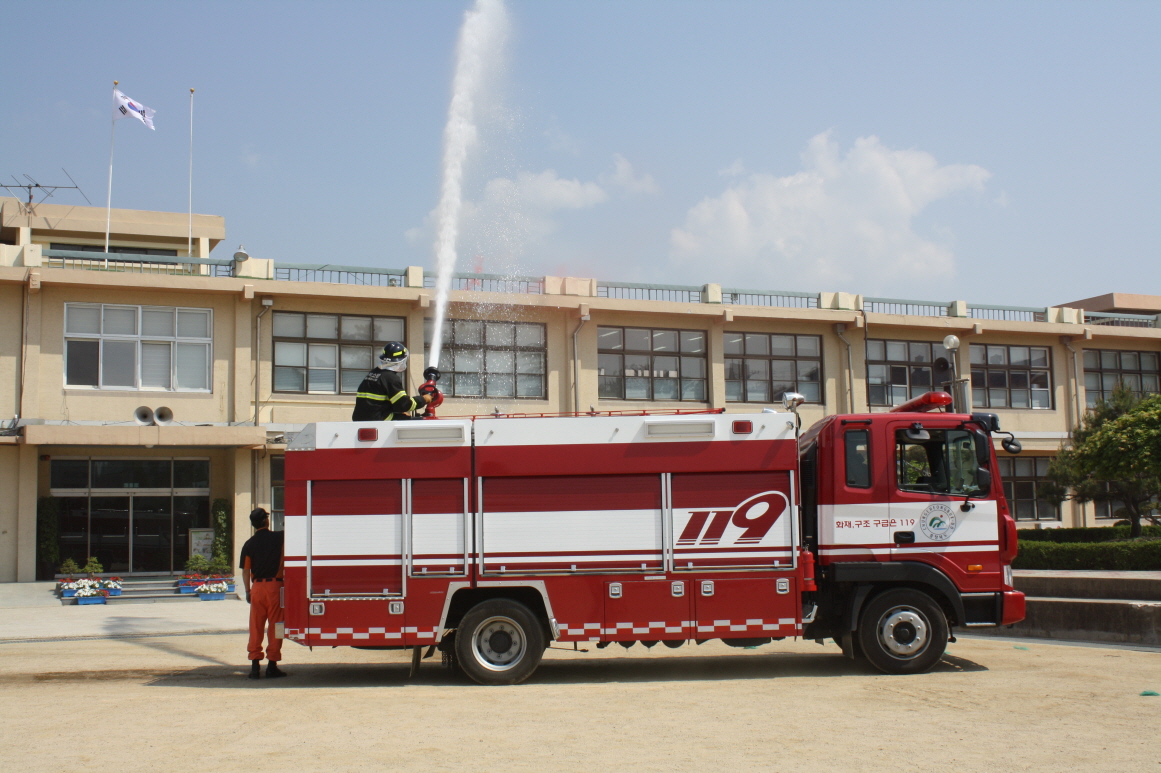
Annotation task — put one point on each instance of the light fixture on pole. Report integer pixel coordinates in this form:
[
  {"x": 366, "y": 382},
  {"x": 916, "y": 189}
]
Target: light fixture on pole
[{"x": 959, "y": 400}]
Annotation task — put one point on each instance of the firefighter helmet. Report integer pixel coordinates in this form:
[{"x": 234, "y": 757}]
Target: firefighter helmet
[{"x": 393, "y": 357}]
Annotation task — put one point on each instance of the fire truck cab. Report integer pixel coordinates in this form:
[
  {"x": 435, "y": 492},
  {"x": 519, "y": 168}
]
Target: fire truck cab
[{"x": 490, "y": 537}]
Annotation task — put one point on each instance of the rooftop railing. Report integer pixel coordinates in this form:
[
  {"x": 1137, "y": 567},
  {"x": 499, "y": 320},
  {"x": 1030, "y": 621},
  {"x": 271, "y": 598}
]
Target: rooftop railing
[
  {"x": 778, "y": 299},
  {"x": 490, "y": 283},
  {"x": 498, "y": 283},
  {"x": 630, "y": 291},
  {"x": 1007, "y": 313},
  {"x": 344, "y": 275},
  {"x": 1119, "y": 320},
  {"x": 907, "y": 308}
]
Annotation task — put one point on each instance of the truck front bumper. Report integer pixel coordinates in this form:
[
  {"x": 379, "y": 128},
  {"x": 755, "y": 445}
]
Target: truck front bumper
[{"x": 1013, "y": 607}]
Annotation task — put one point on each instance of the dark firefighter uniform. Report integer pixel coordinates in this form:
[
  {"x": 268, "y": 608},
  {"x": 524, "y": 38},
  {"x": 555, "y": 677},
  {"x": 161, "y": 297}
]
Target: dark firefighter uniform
[{"x": 382, "y": 397}]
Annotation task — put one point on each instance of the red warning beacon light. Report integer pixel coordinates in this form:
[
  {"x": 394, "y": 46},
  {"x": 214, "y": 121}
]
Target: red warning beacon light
[{"x": 925, "y": 402}]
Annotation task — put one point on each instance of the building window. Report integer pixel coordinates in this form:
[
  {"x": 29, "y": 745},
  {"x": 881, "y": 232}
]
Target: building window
[
  {"x": 1011, "y": 376},
  {"x": 481, "y": 358},
  {"x": 1103, "y": 370},
  {"x": 138, "y": 347},
  {"x": 328, "y": 353},
  {"x": 649, "y": 364},
  {"x": 898, "y": 371},
  {"x": 770, "y": 365},
  {"x": 277, "y": 493},
  {"x": 1023, "y": 479},
  {"x": 133, "y": 515}
]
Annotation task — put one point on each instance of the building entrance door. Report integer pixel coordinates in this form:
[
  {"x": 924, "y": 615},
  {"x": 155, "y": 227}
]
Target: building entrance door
[
  {"x": 152, "y": 519},
  {"x": 109, "y": 532}
]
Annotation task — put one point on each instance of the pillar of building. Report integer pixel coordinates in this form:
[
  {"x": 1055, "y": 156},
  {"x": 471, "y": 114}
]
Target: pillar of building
[
  {"x": 26, "y": 491},
  {"x": 243, "y": 499}
]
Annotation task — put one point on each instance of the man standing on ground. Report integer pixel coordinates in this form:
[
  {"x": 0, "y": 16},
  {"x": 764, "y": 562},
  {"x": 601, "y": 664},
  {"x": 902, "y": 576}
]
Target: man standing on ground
[{"x": 262, "y": 565}]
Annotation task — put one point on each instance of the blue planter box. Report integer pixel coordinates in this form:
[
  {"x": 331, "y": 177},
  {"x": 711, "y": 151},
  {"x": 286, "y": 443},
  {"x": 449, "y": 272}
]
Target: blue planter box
[
  {"x": 212, "y": 596},
  {"x": 189, "y": 588},
  {"x": 91, "y": 600},
  {"x": 68, "y": 594},
  {"x": 113, "y": 591}
]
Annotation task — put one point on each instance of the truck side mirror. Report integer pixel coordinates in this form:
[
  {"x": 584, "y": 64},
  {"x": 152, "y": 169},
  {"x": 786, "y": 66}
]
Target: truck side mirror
[
  {"x": 983, "y": 447},
  {"x": 984, "y": 481},
  {"x": 1011, "y": 445}
]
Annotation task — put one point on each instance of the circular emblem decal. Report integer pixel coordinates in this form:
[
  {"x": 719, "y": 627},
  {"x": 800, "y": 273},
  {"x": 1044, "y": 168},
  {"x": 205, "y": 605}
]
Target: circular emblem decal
[{"x": 938, "y": 522}]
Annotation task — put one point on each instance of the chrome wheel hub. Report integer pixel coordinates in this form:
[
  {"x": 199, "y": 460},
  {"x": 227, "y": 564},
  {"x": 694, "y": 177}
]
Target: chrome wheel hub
[
  {"x": 904, "y": 632},
  {"x": 498, "y": 644}
]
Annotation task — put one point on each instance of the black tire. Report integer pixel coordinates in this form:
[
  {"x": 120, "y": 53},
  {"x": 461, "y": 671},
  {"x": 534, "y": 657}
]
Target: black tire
[
  {"x": 902, "y": 631},
  {"x": 499, "y": 642}
]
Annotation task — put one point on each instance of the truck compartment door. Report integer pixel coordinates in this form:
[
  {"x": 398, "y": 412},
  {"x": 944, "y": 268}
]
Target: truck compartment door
[
  {"x": 439, "y": 509},
  {"x": 733, "y": 520},
  {"x": 743, "y": 609},
  {"x": 355, "y": 537},
  {"x": 571, "y": 523},
  {"x": 647, "y": 610}
]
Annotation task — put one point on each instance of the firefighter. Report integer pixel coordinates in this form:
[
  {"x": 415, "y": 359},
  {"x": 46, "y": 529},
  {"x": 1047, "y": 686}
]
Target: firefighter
[
  {"x": 381, "y": 396},
  {"x": 262, "y": 566}
]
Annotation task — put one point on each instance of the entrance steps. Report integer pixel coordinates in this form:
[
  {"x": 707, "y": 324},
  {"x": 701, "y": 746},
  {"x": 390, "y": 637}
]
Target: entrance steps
[{"x": 1111, "y": 607}]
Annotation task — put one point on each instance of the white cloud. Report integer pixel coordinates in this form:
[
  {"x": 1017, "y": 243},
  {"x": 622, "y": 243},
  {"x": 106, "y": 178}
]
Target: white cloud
[
  {"x": 736, "y": 169},
  {"x": 623, "y": 176},
  {"x": 842, "y": 223}
]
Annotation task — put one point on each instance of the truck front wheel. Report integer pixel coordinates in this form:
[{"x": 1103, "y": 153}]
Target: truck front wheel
[
  {"x": 903, "y": 631},
  {"x": 499, "y": 641}
]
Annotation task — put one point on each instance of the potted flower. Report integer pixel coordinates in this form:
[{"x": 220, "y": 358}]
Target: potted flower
[
  {"x": 212, "y": 591},
  {"x": 112, "y": 585},
  {"x": 91, "y": 595},
  {"x": 189, "y": 582},
  {"x": 68, "y": 588}
]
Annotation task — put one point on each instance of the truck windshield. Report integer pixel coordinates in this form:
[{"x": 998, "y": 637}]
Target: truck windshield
[{"x": 943, "y": 464}]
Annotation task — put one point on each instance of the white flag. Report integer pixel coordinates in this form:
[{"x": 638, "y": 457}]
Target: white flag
[{"x": 123, "y": 106}]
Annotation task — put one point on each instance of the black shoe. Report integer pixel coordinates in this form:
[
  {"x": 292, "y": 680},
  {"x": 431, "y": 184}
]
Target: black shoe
[
  {"x": 272, "y": 670},
  {"x": 255, "y": 669}
]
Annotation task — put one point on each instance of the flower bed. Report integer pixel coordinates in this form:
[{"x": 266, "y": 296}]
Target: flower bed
[{"x": 70, "y": 588}]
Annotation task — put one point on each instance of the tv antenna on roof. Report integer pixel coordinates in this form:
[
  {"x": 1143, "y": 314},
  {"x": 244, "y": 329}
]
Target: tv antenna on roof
[{"x": 32, "y": 185}]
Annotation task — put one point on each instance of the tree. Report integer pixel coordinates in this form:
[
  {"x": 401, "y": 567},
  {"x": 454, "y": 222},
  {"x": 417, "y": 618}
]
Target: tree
[{"x": 1113, "y": 456}]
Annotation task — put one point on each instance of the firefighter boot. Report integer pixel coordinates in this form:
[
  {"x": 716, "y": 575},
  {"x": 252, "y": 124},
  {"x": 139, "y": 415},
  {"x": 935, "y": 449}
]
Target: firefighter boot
[
  {"x": 255, "y": 669},
  {"x": 272, "y": 670}
]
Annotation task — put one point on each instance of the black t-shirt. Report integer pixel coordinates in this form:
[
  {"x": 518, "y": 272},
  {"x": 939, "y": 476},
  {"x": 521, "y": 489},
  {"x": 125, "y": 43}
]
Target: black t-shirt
[{"x": 264, "y": 550}]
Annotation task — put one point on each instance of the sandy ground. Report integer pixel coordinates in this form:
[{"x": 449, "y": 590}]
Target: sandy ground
[{"x": 182, "y": 703}]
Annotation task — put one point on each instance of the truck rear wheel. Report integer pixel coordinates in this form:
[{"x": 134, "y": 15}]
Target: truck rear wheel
[
  {"x": 499, "y": 642},
  {"x": 903, "y": 631}
]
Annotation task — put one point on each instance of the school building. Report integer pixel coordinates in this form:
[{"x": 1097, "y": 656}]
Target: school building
[{"x": 147, "y": 382}]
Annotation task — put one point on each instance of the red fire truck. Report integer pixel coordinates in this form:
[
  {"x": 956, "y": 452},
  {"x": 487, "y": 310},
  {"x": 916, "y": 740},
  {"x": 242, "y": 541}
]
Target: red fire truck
[{"x": 490, "y": 537}]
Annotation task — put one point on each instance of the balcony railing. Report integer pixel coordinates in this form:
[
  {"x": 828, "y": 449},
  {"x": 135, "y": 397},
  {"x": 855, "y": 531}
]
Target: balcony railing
[{"x": 134, "y": 264}]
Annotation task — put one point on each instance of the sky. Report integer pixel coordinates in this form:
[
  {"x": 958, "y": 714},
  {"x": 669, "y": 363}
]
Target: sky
[{"x": 1002, "y": 153}]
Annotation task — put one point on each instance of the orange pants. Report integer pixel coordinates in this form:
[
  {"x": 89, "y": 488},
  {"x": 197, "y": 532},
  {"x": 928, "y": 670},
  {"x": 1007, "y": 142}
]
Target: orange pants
[{"x": 265, "y": 611}]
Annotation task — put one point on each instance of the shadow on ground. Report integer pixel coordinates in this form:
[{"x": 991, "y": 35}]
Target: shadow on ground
[{"x": 556, "y": 671}]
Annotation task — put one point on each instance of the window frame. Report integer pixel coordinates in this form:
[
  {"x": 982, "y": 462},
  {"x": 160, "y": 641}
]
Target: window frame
[
  {"x": 870, "y": 469},
  {"x": 449, "y": 348},
  {"x": 728, "y": 358},
  {"x": 908, "y": 366},
  {"x": 1006, "y": 463},
  {"x": 653, "y": 354},
  {"x": 1113, "y": 376},
  {"x": 140, "y": 339},
  {"x": 982, "y": 391},
  {"x": 338, "y": 343}
]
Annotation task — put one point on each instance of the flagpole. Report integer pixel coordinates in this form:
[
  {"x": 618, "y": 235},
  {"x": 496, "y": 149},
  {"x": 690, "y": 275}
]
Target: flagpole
[
  {"x": 109, "y": 195},
  {"x": 189, "y": 246}
]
